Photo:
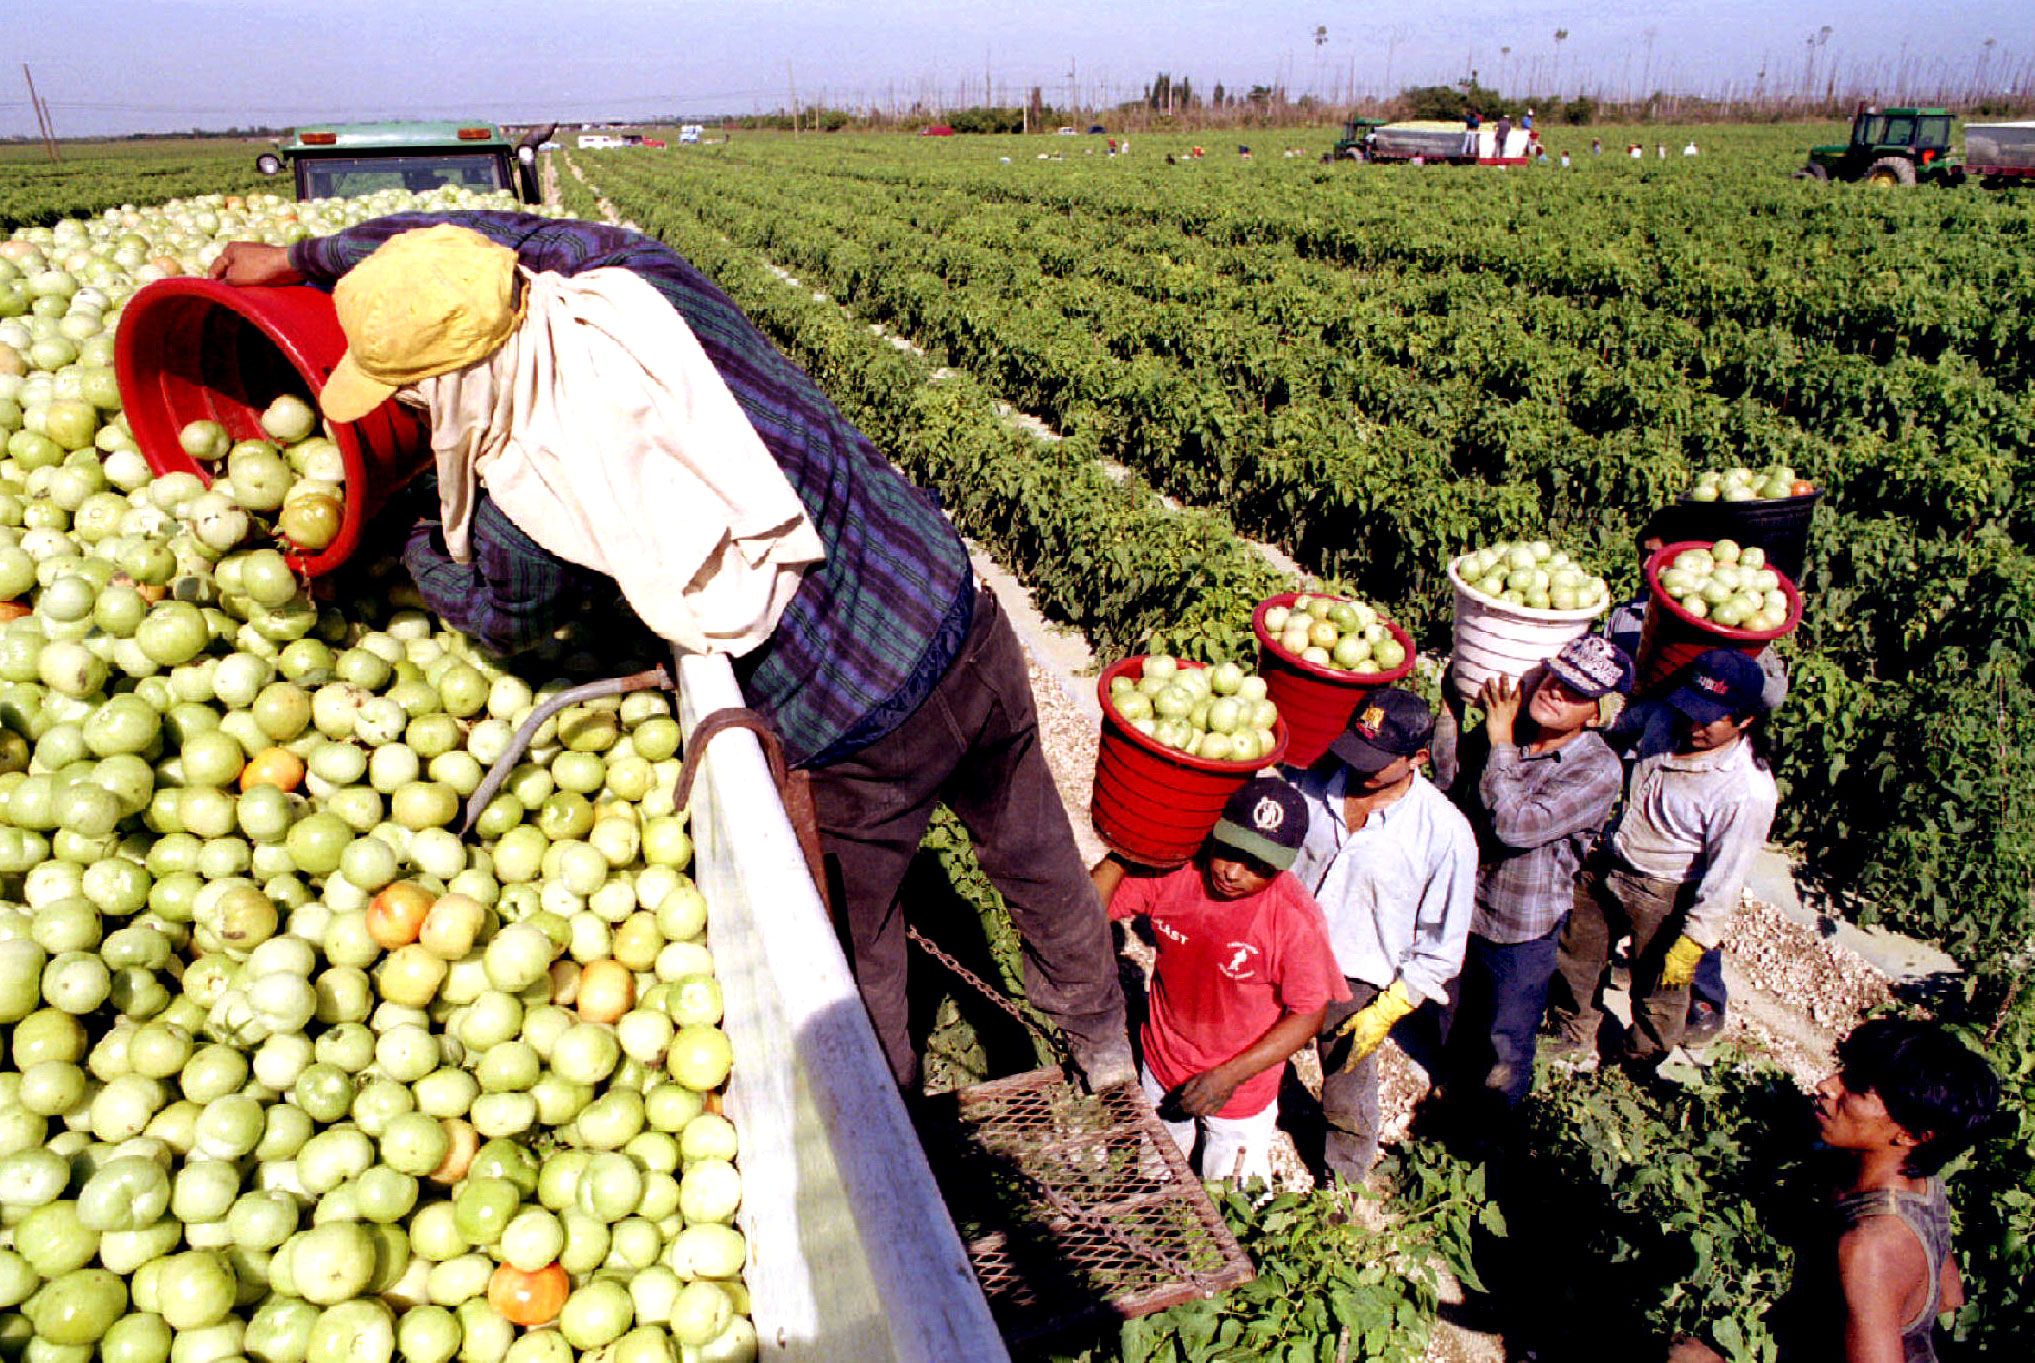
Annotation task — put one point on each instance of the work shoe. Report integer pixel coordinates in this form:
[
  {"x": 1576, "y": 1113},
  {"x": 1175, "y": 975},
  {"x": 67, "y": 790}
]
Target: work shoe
[
  {"x": 1569, "y": 1057},
  {"x": 1706, "y": 1024},
  {"x": 1106, "y": 1068}
]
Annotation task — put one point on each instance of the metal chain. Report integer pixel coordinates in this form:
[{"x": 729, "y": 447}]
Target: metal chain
[{"x": 988, "y": 991}]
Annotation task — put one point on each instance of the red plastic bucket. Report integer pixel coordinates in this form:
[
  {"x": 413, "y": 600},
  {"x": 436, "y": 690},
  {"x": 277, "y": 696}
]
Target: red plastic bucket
[
  {"x": 198, "y": 349},
  {"x": 1153, "y": 804},
  {"x": 1671, "y": 638},
  {"x": 1315, "y": 701}
]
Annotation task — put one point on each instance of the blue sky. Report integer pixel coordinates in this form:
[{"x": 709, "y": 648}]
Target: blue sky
[{"x": 125, "y": 65}]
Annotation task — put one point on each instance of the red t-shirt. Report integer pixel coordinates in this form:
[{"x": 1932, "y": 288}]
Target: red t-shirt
[{"x": 1228, "y": 969}]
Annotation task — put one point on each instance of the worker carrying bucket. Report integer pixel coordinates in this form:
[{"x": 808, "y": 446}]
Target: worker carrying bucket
[{"x": 603, "y": 418}]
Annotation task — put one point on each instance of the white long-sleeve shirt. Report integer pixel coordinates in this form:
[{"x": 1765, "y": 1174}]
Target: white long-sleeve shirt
[
  {"x": 1398, "y": 892},
  {"x": 1702, "y": 818}
]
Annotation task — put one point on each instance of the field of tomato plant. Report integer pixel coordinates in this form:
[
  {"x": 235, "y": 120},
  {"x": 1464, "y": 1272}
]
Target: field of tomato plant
[
  {"x": 1378, "y": 367},
  {"x": 98, "y": 175},
  {"x": 1375, "y": 368}
]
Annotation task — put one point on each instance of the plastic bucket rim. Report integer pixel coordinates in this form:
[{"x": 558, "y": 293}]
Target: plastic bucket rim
[
  {"x": 1777, "y": 502},
  {"x": 1187, "y": 761},
  {"x": 1666, "y": 554},
  {"x": 194, "y": 289},
  {"x": 1544, "y": 615},
  {"x": 1333, "y": 675}
]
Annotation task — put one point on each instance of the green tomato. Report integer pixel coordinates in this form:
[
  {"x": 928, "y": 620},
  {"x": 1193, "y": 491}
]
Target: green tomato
[
  {"x": 333, "y": 1262},
  {"x": 353, "y": 1332},
  {"x": 78, "y": 1307},
  {"x": 195, "y": 1289},
  {"x": 140, "y": 1338},
  {"x": 280, "y": 1330},
  {"x": 484, "y": 1207},
  {"x": 596, "y": 1314}
]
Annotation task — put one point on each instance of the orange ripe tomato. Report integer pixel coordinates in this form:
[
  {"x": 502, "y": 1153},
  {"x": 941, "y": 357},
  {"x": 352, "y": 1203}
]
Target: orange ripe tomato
[
  {"x": 396, "y": 915},
  {"x": 277, "y": 767},
  {"x": 1801, "y": 487},
  {"x": 15, "y": 610},
  {"x": 606, "y": 991},
  {"x": 528, "y": 1298}
]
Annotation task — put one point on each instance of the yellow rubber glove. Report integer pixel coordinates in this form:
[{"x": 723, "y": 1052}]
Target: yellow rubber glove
[
  {"x": 1679, "y": 968},
  {"x": 1370, "y": 1025}
]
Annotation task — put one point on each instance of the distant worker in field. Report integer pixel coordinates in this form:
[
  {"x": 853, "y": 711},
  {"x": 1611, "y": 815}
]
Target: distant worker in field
[
  {"x": 1635, "y": 151},
  {"x": 1691, "y": 150},
  {"x": 1243, "y": 973},
  {"x": 1660, "y": 151},
  {"x": 605, "y": 422},
  {"x": 1501, "y": 134},
  {"x": 1878, "y": 1275},
  {"x": 1526, "y": 120},
  {"x": 1596, "y": 146},
  {"x": 1565, "y": 160},
  {"x": 1394, "y": 867},
  {"x": 1672, "y": 872}
]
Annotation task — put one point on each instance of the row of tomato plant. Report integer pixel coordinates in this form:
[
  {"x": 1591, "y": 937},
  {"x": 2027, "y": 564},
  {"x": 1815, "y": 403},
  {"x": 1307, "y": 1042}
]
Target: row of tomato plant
[
  {"x": 1683, "y": 1189},
  {"x": 1460, "y": 410}
]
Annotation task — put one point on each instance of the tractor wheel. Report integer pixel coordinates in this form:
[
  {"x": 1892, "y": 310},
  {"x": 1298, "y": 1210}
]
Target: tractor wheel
[
  {"x": 1814, "y": 172},
  {"x": 1890, "y": 171}
]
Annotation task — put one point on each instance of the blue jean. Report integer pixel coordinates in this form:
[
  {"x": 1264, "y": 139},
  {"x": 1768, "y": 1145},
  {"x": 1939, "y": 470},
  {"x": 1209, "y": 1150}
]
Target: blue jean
[
  {"x": 1501, "y": 996},
  {"x": 1708, "y": 986}
]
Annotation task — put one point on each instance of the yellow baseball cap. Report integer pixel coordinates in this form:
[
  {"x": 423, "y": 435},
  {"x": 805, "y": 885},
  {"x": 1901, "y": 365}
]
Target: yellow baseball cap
[{"x": 427, "y": 302}]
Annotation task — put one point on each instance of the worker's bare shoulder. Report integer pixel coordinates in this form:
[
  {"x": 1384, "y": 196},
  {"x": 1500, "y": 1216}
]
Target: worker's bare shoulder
[{"x": 1878, "y": 1253}]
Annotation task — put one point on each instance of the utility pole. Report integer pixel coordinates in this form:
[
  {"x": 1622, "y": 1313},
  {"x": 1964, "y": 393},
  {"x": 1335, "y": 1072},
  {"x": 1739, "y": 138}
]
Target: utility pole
[
  {"x": 792, "y": 81},
  {"x": 42, "y": 123}
]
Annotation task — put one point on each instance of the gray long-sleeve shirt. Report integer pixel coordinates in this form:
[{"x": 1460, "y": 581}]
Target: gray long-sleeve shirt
[{"x": 1702, "y": 818}]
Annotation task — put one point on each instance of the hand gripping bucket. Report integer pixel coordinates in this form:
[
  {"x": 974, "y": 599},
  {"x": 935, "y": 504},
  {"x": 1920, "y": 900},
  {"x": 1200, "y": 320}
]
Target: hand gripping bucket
[
  {"x": 1153, "y": 804},
  {"x": 1500, "y": 639},
  {"x": 1316, "y": 702},
  {"x": 198, "y": 349},
  {"x": 1672, "y": 638}
]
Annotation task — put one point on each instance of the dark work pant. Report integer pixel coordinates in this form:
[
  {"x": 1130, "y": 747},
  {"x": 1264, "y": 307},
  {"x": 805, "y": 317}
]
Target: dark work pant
[
  {"x": 1349, "y": 1097},
  {"x": 1501, "y": 995},
  {"x": 973, "y": 746},
  {"x": 1708, "y": 986},
  {"x": 1609, "y": 904}
]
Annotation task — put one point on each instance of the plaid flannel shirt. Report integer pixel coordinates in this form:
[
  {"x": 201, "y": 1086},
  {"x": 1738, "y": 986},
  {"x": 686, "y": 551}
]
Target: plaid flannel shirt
[
  {"x": 1537, "y": 815},
  {"x": 870, "y": 631}
]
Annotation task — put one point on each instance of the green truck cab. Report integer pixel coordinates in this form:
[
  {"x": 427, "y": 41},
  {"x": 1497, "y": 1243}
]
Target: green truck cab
[
  {"x": 1895, "y": 146},
  {"x": 340, "y": 160}
]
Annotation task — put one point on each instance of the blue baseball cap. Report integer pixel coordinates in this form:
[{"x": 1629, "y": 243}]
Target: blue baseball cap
[{"x": 1720, "y": 683}]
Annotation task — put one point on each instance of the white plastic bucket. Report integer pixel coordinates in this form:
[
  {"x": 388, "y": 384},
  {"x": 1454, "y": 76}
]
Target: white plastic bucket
[{"x": 1497, "y": 638}]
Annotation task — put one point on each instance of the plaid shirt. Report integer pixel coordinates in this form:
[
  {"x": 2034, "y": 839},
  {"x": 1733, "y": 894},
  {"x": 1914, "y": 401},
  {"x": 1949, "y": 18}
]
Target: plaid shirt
[
  {"x": 512, "y": 595},
  {"x": 871, "y": 630},
  {"x": 1537, "y": 815}
]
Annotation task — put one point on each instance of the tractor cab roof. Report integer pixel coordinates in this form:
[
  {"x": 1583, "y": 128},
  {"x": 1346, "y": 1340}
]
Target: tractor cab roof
[{"x": 356, "y": 139}]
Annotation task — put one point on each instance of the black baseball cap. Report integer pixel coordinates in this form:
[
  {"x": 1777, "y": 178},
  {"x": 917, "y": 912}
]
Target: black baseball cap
[
  {"x": 1719, "y": 683},
  {"x": 1266, "y": 820},
  {"x": 1389, "y": 724}
]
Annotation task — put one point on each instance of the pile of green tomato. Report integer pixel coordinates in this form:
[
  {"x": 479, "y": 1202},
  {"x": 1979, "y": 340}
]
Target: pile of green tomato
[{"x": 291, "y": 1071}]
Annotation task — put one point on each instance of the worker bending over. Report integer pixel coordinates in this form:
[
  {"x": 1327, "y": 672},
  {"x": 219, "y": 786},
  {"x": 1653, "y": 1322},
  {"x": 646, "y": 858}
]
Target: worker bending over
[{"x": 603, "y": 417}]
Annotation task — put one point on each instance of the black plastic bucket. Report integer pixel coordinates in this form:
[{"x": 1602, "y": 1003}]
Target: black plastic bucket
[{"x": 1778, "y": 525}]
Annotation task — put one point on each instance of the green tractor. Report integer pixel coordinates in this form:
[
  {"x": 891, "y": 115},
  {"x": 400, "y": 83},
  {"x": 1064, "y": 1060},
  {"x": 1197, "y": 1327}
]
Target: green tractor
[
  {"x": 1354, "y": 144},
  {"x": 1889, "y": 147},
  {"x": 345, "y": 159}
]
